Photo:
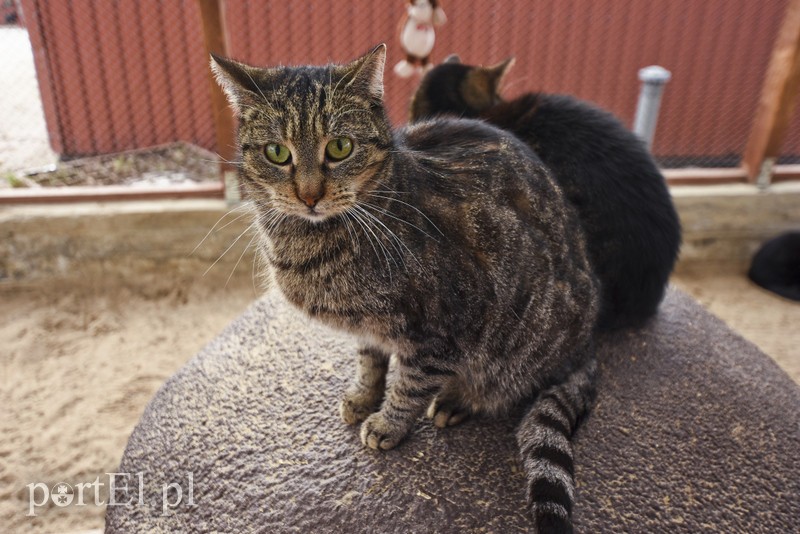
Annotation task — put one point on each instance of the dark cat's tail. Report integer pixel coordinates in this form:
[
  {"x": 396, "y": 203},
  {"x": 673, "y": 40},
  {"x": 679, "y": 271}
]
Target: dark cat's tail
[{"x": 545, "y": 440}]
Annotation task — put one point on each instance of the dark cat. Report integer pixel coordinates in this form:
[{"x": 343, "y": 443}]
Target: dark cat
[
  {"x": 447, "y": 244},
  {"x": 776, "y": 265},
  {"x": 631, "y": 227}
]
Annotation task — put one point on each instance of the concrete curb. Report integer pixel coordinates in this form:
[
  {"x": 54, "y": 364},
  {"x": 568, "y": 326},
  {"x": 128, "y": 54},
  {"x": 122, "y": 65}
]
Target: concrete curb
[{"x": 724, "y": 223}]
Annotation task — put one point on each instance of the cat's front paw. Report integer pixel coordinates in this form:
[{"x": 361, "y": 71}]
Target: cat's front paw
[
  {"x": 357, "y": 405},
  {"x": 378, "y": 433}
]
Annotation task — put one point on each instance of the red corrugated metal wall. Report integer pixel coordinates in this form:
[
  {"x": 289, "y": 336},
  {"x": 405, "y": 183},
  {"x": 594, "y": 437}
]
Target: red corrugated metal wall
[
  {"x": 127, "y": 74},
  {"x": 120, "y": 75}
]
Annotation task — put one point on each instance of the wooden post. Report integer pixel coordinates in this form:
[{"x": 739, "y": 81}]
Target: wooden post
[
  {"x": 778, "y": 99},
  {"x": 212, "y": 14}
]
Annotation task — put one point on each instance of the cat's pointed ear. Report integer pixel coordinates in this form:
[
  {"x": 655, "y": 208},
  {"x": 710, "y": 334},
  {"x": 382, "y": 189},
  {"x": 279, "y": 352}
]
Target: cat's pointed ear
[
  {"x": 497, "y": 73},
  {"x": 237, "y": 80},
  {"x": 367, "y": 73},
  {"x": 452, "y": 58}
]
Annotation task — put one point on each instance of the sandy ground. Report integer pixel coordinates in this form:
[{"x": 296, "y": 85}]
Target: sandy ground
[
  {"x": 769, "y": 321},
  {"x": 78, "y": 367},
  {"x": 80, "y": 364}
]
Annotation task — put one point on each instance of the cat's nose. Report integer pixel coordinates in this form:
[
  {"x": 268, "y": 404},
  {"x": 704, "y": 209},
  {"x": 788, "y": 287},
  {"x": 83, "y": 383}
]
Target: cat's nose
[
  {"x": 310, "y": 196},
  {"x": 310, "y": 201}
]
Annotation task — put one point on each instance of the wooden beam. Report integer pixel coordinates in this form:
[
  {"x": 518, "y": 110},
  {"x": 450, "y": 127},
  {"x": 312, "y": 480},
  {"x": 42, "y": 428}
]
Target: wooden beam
[
  {"x": 786, "y": 173},
  {"x": 79, "y": 193},
  {"x": 702, "y": 176},
  {"x": 213, "y": 16},
  {"x": 778, "y": 96}
]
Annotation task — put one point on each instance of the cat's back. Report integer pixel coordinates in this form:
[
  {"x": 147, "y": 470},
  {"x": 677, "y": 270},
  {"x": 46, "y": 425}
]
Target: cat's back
[
  {"x": 454, "y": 166},
  {"x": 562, "y": 124},
  {"x": 470, "y": 154},
  {"x": 501, "y": 214},
  {"x": 454, "y": 140}
]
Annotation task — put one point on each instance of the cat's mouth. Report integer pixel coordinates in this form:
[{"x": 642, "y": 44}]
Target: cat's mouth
[
  {"x": 314, "y": 213},
  {"x": 317, "y": 213}
]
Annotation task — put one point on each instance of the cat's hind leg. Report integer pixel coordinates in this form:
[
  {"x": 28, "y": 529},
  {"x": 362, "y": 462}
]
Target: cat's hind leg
[
  {"x": 364, "y": 397},
  {"x": 448, "y": 408}
]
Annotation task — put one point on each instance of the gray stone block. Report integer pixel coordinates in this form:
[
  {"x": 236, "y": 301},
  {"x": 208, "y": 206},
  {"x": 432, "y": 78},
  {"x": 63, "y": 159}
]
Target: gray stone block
[{"x": 695, "y": 430}]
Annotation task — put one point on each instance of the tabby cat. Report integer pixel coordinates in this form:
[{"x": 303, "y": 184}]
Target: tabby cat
[
  {"x": 631, "y": 227},
  {"x": 447, "y": 244}
]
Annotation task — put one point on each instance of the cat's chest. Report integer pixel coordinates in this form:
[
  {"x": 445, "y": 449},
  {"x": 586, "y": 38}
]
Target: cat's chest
[
  {"x": 330, "y": 282},
  {"x": 342, "y": 302}
]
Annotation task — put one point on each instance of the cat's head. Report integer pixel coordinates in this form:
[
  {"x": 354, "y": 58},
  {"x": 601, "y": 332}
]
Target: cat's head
[
  {"x": 453, "y": 88},
  {"x": 312, "y": 139}
]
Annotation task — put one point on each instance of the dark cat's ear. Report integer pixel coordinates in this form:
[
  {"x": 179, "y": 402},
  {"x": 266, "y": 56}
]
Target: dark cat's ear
[
  {"x": 495, "y": 74},
  {"x": 237, "y": 80},
  {"x": 366, "y": 73},
  {"x": 452, "y": 58}
]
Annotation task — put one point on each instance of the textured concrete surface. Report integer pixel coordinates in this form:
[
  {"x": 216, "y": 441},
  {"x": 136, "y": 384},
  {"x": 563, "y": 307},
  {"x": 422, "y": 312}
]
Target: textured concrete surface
[
  {"x": 727, "y": 223},
  {"x": 694, "y": 430},
  {"x": 720, "y": 224},
  {"x": 76, "y": 241}
]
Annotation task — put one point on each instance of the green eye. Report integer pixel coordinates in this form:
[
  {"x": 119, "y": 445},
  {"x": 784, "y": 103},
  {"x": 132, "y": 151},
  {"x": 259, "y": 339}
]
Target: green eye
[
  {"x": 277, "y": 154},
  {"x": 339, "y": 148}
]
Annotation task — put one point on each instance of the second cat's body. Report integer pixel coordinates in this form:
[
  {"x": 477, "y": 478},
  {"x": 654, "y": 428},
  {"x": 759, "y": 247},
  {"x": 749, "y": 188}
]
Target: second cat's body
[{"x": 607, "y": 174}]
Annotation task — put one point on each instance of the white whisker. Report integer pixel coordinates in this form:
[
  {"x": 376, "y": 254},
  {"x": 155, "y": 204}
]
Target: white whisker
[
  {"x": 365, "y": 224},
  {"x": 255, "y": 234},
  {"x": 241, "y": 206},
  {"x": 350, "y": 230},
  {"x": 396, "y": 238},
  {"x": 410, "y": 206},
  {"x": 390, "y": 236},
  {"x": 390, "y": 214},
  {"x": 230, "y": 247}
]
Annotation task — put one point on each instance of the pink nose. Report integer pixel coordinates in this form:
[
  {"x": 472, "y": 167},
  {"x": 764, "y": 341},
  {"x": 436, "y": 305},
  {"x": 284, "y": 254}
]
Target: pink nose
[
  {"x": 310, "y": 193},
  {"x": 310, "y": 199}
]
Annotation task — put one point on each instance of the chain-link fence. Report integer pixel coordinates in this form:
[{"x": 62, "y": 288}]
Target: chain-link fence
[
  {"x": 113, "y": 78},
  {"x": 23, "y": 133},
  {"x": 116, "y": 76}
]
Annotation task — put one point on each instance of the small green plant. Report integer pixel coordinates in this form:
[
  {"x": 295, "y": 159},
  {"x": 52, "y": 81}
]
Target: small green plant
[
  {"x": 13, "y": 180},
  {"x": 121, "y": 164}
]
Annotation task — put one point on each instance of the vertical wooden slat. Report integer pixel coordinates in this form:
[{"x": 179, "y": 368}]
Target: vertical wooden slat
[
  {"x": 82, "y": 21},
  {"x": 211, "y": 12},
  {"x": 778, "y": 96}
]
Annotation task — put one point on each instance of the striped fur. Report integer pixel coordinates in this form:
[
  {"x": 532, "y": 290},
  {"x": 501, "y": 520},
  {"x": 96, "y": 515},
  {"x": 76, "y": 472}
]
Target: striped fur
[
  {"x": 606, "y": 172},
  {"x": 544, "y": 439},
  {"x": 447, "y": 245}
]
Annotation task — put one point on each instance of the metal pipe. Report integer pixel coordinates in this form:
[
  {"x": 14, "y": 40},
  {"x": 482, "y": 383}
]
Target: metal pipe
[{"x": 653, "y": 79}]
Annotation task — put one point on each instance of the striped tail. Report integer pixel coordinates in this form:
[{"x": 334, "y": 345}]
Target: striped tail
[{"x": 544, "y": 438}]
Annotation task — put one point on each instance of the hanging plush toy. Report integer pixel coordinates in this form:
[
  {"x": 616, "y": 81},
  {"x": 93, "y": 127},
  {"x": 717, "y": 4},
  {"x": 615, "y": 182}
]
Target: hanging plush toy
[{"x": 417, "y": 36}]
